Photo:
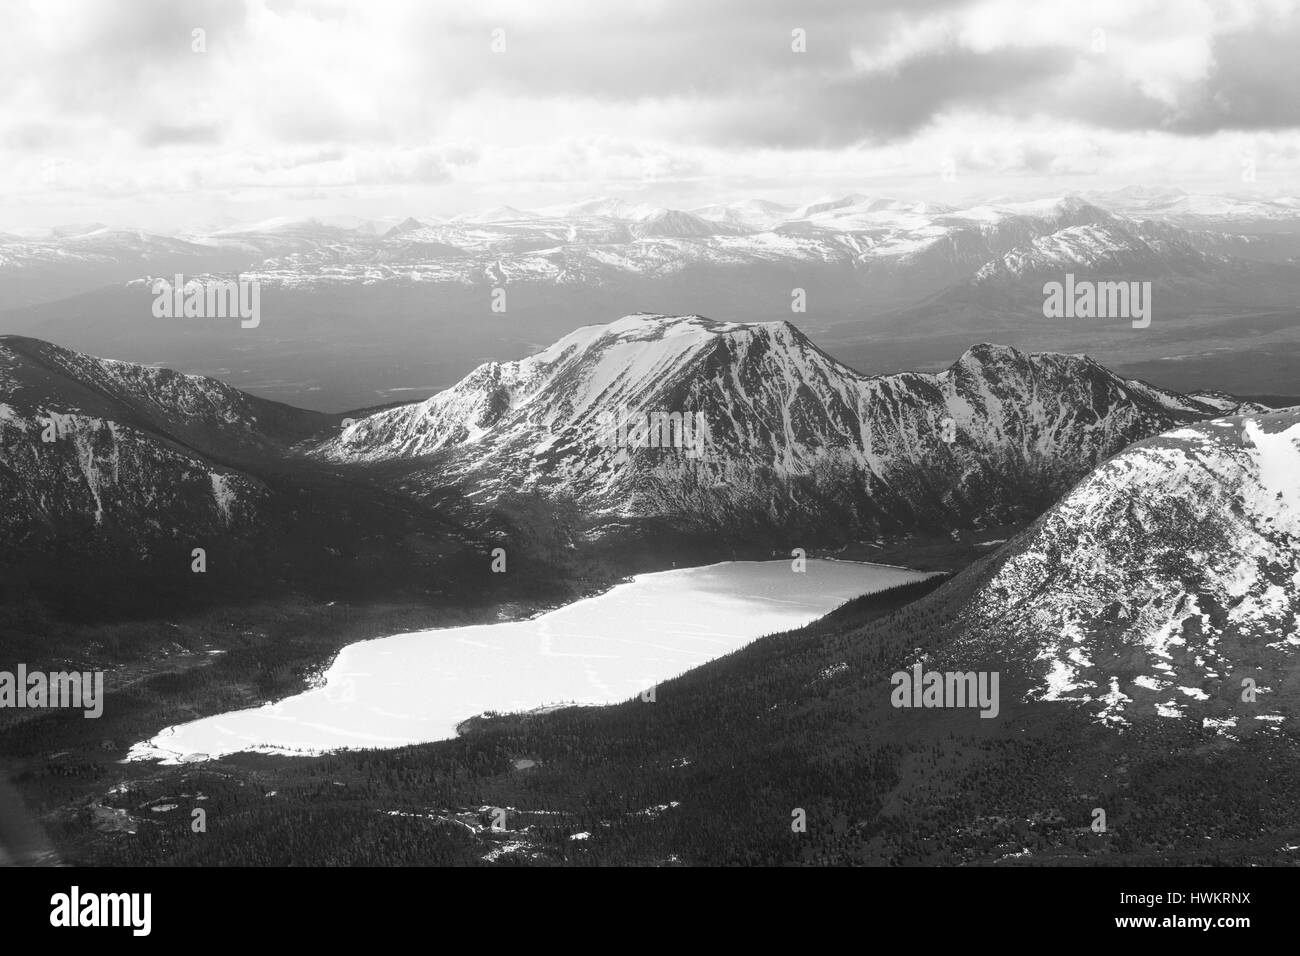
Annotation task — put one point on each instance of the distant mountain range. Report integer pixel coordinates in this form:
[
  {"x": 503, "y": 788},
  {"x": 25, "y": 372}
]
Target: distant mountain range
[
  {"x": 886, "y": 283},
  {"x": 600, "y": 240}
]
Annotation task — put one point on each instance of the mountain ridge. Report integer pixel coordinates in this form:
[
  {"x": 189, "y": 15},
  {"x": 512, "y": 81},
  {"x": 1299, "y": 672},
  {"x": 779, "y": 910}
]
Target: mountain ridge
[{"x": 784, "y": 419}]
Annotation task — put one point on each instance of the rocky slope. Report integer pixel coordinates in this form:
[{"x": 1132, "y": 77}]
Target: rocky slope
[
  {"x": 112, "y": 474},
  {"x": 784, "y": 437},
  {"x": 92, "y": 446},
  {"x": 1163, "y": 580}
]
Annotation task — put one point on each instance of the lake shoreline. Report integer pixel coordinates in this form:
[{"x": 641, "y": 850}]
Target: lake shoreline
[{"x": 558, "y": 656}]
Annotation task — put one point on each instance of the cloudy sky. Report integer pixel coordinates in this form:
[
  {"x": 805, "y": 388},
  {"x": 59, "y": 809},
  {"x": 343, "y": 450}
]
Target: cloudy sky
[{"x": 118, "y": 110}]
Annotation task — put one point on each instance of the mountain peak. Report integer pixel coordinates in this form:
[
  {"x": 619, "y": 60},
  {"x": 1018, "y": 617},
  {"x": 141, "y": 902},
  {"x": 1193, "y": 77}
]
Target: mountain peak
[
  {"x": 680, "y": 332},
  {"x": 867, "y": 452},
  {"x": 980, "y": 359},
  {"x": 673, "y": 223},
  {"x": 984, "y": 352},
  {"x": 409, "y": 224},
  {"x": 607, "y": 207},
  {"x": 496, "y": 214},
  {"x": 638, "y": 324}
]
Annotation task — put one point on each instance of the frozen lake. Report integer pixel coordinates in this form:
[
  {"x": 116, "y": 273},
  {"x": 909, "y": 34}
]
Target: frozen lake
[{"x": 415, "y": 688}]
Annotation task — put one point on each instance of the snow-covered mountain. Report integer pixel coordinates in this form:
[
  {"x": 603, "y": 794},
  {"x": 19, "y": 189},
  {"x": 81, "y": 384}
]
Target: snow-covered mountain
[
  {"x": 916, "y": 280},
  {"x": 496, "y": 214},
  {"x": 1162, "y": 582},
  {"x": 1200, "y": 210},
  {"x": 788, "y": 436},
  {"x": 932, "y": 245},
  {"x": 92, "y": 447},
  {"x": 601, "y": 207},
  {"x": 674, "y": 222},
  {"x": 407, "y": 225},
  {"x": 676, "y": 426},
  {"x": 113, "y": 473},
  {"x": 754, "y": 215},
  {"x": 1089, "y": 240},
  {"x": 885, "y": 257}
]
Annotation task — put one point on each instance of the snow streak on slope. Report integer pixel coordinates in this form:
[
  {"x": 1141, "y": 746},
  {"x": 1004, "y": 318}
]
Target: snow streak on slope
[{"x": 79, "y": 451}]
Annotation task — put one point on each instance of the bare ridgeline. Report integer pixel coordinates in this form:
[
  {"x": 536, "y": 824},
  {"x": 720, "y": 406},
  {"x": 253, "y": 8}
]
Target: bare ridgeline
[{"x": 805, "y": 459}]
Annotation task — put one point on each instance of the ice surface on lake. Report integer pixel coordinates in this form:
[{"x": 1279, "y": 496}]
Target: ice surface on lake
[{"x": 414, "y": 688}]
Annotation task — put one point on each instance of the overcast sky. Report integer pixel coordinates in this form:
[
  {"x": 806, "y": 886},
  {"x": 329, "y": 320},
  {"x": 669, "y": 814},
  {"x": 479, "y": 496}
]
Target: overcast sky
[{"x": 386, "y": 107}]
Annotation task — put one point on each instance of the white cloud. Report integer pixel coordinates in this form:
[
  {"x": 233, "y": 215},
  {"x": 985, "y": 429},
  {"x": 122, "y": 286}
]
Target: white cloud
[{"x": 105, "y": 106}]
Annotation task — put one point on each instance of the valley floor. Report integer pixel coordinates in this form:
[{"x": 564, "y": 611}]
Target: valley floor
[
  {"x": 69, "y": 770},
  {"x": 710, "y": 773}
]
